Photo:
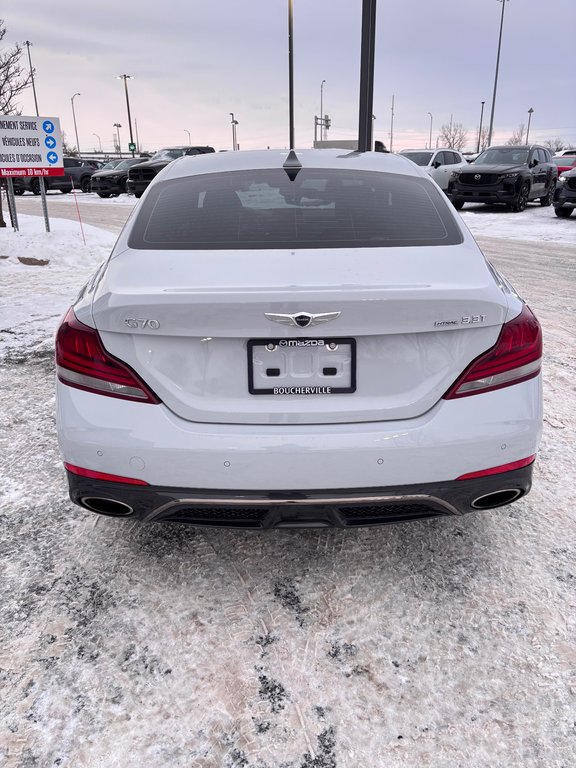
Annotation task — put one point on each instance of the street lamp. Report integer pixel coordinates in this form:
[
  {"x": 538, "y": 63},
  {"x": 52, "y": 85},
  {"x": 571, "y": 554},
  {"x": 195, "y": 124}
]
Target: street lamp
[
  {"x": 188, "y": 132},
  {"x": 430, "y": 140},
  {"x": 74, "y": 116},
  {"x": 496, "y": 75},
  {"x": 530, "y": 112},
  {"x": 234, "y": 124},
  {"x": 118, "y": 126},
  {"x": 126, "y": 78},
  {"x": 99, "y": 140},
  {"x": 480, "y": 128},
  {"x": 322, "y": 133}
]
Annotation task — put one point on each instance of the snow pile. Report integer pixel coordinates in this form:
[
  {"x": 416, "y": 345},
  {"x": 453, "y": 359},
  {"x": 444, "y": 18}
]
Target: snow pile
[{"x": 40, "y": 274}]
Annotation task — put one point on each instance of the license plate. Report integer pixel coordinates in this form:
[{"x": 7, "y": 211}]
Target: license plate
[{"x": 301, "y": 367}]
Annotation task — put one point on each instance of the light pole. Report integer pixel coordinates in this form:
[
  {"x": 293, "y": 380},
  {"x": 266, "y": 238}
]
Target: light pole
[
  {"x": 392, "y": 125},
  {"x": 118, "y": 126},
  {"x": 291, "y": 74},
  {"x": 27, "y": 43},
  {"x": 430, "y": 140},
  {"x": 322, "y": 132},
  {"x": 74, "y": 116},
  {"x": 480, "y": 128},
  {"x": 188, "y": 132},
  {"x": 234, "y": 123},
  {"x": 496, "y": 75},
  {"x": 530, "y": 112},
  {"x": 99, "y": 140},
  {"x": 126, "y": 78}
]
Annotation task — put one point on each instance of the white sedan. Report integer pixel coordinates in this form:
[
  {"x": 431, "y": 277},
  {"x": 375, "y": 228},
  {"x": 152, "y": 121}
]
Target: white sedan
[
  {"x": 307, "y": 339},
  {"x": 439, "y": 163}
]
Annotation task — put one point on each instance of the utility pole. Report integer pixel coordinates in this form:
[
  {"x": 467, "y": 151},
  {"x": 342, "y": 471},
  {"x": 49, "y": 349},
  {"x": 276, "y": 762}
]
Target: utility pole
[
  {"x": 126, "y": 78},
  {"x": 530, "y": 113},
  {"x": 392, "y": 126},
  {"x": 367, "y": 75},
  {"x": 480, "y": 128},
  {"x": 291, "y": 72},
  {"x": 496, "y": 75},
  {"x": 40, "y": 180},
  {"x": 75, "y": 126}
]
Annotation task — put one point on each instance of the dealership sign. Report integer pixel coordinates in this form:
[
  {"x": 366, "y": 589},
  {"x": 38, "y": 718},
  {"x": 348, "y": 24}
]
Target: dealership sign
[{"x": 30, "y": 146}]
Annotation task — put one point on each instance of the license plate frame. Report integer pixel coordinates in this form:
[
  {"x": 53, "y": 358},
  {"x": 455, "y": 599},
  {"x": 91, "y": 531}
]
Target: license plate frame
[{"x": 302, "y": 389}]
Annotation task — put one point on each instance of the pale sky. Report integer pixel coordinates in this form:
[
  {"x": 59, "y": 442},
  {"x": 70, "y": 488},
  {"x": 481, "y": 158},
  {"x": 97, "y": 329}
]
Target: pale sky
[{"x": 195, "y": 62}]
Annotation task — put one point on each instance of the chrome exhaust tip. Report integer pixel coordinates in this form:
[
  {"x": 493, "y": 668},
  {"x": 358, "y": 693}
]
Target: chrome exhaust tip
[
  {"x": 497, "y": 498},
  {"x": 108, "y": 507}
]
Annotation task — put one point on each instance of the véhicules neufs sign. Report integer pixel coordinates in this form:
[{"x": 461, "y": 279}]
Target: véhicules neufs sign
[{"x": 30, "y": 146}]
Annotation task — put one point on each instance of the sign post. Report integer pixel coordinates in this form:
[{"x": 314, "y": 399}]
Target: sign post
[{"x": 31, "y": 146}]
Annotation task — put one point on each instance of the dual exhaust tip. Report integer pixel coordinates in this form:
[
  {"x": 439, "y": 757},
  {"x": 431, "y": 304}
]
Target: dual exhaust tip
[{"x": 114, "y": 508}]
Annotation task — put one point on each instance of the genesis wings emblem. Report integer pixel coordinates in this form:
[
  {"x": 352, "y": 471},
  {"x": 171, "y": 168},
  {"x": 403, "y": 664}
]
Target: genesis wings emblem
[{"x": 303, "y": 319}]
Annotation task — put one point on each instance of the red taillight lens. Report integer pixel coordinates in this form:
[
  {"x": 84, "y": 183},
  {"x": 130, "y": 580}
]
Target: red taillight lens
[
  {"x": 515, "y": 357},
  {"x": 82, "y": 362}
]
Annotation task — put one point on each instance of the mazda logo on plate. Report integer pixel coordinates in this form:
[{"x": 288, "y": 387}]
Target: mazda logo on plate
[{"x": 302, "y": 319}]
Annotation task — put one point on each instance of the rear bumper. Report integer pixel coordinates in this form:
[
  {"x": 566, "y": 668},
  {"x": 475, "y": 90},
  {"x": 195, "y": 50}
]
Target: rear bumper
[
  {"x": 185, "y": 460},
  {"x": 342, "y": 508}
]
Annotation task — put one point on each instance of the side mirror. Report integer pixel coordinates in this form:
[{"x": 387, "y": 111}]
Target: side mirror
[
  {"x": 436, "y": 164},
  {"x": 534, "y": 163}
]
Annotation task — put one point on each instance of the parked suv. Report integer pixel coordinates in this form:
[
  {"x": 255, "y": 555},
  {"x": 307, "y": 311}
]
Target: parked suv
[
  {"x": 437, "y": 163},
  {"x": 509, "y": 174},
  {"x": 141, "y": 175},
  {"x": 77, "y": 173}
]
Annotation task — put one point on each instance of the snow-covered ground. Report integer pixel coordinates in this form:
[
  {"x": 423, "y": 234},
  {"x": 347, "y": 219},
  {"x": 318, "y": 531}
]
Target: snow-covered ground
[{"x": 438, "y": 644}]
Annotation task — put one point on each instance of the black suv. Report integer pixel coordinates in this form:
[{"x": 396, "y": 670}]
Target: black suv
[
  {"x": 510, "y": 174},
  {"x": 77, "y": 172},
  {"x": 140, "y": 175}
]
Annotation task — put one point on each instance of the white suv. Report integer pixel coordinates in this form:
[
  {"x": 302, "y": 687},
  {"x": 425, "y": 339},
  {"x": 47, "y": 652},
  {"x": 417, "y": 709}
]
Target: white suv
[
  {"x": 302, "y": 339},
  {"x": 439, "y": 163}
]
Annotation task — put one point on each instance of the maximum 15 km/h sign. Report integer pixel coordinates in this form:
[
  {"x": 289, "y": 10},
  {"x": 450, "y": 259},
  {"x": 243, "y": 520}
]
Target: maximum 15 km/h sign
[{"x": 30, "y": 146}]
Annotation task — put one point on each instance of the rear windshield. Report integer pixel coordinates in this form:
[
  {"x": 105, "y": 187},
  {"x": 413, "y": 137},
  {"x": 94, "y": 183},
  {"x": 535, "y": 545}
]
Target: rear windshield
[
  {"x": 320, "y": 208},
  {"x": 566, "y": 160}
]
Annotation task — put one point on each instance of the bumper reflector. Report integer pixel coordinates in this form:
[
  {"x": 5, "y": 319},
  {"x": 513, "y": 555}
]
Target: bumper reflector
[
  {"x": 103, "y": 475},
  {"x": 497, "y": 470}
]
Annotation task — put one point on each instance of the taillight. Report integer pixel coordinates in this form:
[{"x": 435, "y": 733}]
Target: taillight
[
  {"x": 515, "y": 357},
  {"x": 82, "y": 362}
]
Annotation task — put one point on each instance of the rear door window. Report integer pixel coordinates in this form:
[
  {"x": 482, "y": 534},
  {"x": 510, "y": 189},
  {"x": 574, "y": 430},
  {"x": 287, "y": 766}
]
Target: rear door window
[{"x": 321, "y": 208}]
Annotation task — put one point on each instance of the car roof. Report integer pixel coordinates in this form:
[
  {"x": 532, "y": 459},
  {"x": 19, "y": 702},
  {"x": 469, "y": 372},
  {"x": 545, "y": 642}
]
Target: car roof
[{"x": 222, "y": 162}]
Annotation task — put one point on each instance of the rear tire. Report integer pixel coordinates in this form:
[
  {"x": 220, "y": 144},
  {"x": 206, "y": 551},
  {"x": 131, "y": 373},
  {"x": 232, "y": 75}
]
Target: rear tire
[
  {"x": 521, "y": 200},
  {"x": 35, "y": 187},
  {"x": 18, "y": 191},
  {"x": 549, "y": 196},
  {"x": 457, "y": 203},
  {"x": 103, "y": 194},
  {"x": 563, "y": 213},
  {"x": 85, "y": 184}
]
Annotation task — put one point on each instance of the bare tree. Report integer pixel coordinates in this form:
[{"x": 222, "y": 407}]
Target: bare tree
[
  {"x": 555, "y": 145},
  {"x": 68, "y": 149},
  {"x": 453, "y": 135},
  {"x": 517, "y": 136},
  {"x": 484, "y": 138},
  {"x": 13, "y": 80}
]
